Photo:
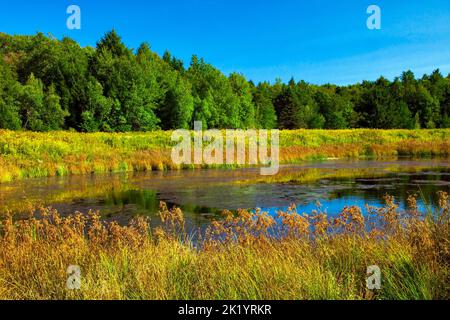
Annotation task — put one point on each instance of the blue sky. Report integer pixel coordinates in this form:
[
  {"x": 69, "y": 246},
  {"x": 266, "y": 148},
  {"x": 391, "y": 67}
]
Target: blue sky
[{"x": 318, "y": 41}]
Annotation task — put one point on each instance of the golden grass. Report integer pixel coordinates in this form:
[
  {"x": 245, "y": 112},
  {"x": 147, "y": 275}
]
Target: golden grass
[
  {"x": 243, "y": 256},
  {"x": 30, "y": 154}
]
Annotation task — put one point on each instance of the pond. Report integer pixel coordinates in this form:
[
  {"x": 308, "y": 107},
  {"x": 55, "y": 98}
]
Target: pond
[{"x": 203, "y": 194}]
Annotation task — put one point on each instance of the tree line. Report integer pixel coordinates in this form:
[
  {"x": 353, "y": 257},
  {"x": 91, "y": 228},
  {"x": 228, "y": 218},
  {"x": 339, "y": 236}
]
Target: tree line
[{"x": 50, "y": 84}]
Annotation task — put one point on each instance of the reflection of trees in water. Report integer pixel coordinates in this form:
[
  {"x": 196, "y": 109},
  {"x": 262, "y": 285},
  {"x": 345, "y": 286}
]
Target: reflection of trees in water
[{"x": 144, "y": 199}]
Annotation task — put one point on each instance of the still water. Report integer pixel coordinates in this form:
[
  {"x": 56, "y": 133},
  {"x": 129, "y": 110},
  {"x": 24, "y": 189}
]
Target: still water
[{"x": 203, "y": 194}]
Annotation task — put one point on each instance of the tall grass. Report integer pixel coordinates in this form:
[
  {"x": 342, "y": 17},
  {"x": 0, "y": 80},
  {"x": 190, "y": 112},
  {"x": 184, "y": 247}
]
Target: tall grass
[
  {"x": 29, "y": 154},
  {"x": 242, "y": 256}
]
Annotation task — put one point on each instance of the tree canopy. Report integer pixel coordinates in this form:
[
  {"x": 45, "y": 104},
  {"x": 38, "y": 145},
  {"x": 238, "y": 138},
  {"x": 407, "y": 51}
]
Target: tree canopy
[{"x": 50, "y": 84}]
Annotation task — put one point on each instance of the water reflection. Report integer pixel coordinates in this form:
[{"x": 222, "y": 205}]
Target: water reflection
[{"x": 202, "y": 194}]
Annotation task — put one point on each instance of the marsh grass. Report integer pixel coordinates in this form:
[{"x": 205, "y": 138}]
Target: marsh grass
[
  {"x": 31, "y": 154},
  {"x": 245, "y": 255}
]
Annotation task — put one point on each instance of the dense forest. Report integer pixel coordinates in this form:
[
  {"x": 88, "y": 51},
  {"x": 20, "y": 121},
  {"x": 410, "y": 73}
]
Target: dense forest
[{"x": 50, "y": 84}]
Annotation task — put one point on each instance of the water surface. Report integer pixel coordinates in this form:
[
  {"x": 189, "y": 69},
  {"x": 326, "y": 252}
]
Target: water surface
[{"x": 203, "y": 194}]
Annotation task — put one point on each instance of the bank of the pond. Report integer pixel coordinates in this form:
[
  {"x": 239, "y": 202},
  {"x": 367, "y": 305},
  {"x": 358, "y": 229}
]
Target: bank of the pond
[{"x": 31, "y": 154}]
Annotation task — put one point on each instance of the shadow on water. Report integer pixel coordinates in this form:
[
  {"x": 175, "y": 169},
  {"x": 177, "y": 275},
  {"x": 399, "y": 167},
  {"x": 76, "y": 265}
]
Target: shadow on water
[{"x": 203, "y": 194}]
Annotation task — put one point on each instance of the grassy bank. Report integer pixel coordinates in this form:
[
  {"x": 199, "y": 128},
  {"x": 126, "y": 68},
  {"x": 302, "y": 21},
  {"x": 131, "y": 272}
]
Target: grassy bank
[
  {"x": 243, "y": 256},
  {"x": 29, "y": 154}
]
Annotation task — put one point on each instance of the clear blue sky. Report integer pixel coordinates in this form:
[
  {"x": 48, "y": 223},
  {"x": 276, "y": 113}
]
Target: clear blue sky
[{"x": 318, "y": 41}]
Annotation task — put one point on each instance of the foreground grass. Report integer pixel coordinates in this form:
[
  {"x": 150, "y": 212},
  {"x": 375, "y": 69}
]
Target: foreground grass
[
  {"x": 29, "y": 154},
  {"x": 243, "y": 256}
]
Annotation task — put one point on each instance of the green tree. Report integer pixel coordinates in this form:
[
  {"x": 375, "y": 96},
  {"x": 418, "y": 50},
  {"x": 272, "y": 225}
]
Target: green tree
[
  {"x": 175, "y": 63},
  {"x": 177, "y": 108},
  {"x": 97, "y": 110},
  {"x": 123, "y": 80},
  {"x": 41, "y": 111},
  {"x": 32, "y": 104},
  {"x": 53, "y": 115},
  {"x": 337, "y": 110},
  {"x": 9, "y": 106},
  {"x": 296, "y": 107},
  {"x": 265, "y": 114},
  {"x": 242, "y": 90},
  {"x": 112, "y": 43},
  {"x": 214, "y": 100}
]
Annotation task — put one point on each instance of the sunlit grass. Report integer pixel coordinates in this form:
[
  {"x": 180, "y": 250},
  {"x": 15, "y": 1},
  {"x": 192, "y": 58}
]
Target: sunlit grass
[
  {"x": 29, "y": 154},
  {"x": 243, "y": 256}
]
